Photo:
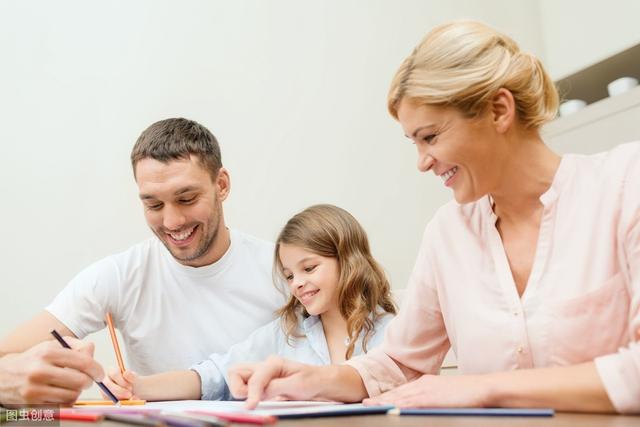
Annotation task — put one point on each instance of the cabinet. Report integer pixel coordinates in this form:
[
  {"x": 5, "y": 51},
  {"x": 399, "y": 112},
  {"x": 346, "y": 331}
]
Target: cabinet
[
  {"x": 598, "y": 127},
  {"x": 605, "y": 122}
]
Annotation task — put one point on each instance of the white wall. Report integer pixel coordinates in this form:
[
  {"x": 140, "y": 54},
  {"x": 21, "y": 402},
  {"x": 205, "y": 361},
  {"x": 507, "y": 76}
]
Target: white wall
[
  {"x": 577, "y": 33},
  {"x": 294, "y": 91}
]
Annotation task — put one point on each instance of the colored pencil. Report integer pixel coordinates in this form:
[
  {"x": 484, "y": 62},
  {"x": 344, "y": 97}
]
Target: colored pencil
[
  {"x": 177, "y": 421},
  {"x": 114, "y": 340},
  {"x": 78, "y": 416},
  {"x": 211, "y": 420},
  {"x": 103, "y": 387},
  {"x": 482, "y": 412},
  {"x": 137, "y": 419},
  {"x": 125, "y": 402},
  {"x": 240, "y": 417}
]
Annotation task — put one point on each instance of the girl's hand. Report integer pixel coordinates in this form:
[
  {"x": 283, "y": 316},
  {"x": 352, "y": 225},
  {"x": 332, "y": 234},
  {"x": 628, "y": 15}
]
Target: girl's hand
[{"x": 121, "y": 385}]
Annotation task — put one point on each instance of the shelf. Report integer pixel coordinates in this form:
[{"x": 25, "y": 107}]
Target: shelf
[
  {"x": 590, "y": 84},
  {"x": 592, "y": 113}
]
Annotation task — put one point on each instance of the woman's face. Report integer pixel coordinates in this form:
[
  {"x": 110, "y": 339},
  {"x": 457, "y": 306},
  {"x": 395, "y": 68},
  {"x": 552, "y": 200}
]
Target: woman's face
[{"x": 465, "y": 153}]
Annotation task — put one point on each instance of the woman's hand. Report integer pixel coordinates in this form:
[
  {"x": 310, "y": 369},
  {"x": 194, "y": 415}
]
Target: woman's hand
[
  {"x": 437, "y": 391},
  {"x": 121, "y": 385},
  {"x": 274, "y": 378}
]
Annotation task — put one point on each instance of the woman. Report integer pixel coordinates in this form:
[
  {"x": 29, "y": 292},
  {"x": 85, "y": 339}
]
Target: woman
[{"x": 532, "y": 275}]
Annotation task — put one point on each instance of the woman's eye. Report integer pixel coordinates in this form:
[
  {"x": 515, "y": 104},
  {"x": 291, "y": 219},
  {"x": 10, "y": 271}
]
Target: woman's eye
[{"x": 430, "y": 139}]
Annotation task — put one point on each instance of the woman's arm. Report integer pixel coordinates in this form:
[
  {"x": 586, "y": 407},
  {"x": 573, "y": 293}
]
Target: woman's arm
[
  {"x": 567, "y": 388},
  {"x": 570, "y": 388},
  {"x": 278, "y": 377}
]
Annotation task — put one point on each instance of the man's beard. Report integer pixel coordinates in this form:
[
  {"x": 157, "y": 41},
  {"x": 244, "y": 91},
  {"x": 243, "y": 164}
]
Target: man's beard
[{"x": 205, "y": 244}]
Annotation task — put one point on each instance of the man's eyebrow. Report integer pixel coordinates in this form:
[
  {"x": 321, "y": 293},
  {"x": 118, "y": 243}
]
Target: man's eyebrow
[
  {"x": 186, "y": 190},
  {"x": 415, "y": 132},
  {"x": 145, "y": 196}
]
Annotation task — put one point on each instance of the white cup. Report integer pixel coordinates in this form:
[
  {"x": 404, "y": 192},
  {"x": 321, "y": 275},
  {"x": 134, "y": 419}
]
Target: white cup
[
  {"x": 571, "y": 106},
  {"x": 621, "y": 85}
]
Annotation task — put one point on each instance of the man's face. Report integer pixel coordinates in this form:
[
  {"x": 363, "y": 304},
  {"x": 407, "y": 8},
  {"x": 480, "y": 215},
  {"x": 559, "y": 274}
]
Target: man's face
[{"x": 183, "y": 207}]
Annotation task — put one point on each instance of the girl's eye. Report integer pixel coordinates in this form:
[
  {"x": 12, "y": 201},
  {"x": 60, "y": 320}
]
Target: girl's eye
[
  {"x": 289, "y": 278},
  {"x": 310, "y": 269}
]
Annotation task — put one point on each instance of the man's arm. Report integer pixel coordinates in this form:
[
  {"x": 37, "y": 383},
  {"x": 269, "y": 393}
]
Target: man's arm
[
  {"x": 32, "y": 332},
  {"x": 48, "y": 373}
]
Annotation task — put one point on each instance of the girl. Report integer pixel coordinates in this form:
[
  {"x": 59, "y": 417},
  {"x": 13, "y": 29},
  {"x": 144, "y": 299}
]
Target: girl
[{"x": 339, "y": 306}]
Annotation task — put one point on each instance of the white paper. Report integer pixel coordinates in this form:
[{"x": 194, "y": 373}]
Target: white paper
[{"x": 273, "y": 407}]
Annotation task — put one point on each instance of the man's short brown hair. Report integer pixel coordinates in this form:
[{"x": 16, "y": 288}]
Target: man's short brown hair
[{"x": 177, "y": 139}]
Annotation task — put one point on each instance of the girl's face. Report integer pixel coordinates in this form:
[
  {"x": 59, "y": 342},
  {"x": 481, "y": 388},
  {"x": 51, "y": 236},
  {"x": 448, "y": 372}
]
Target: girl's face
[
  {"x": 312, "y": 279},
  {"x": 465, "y": 153}
]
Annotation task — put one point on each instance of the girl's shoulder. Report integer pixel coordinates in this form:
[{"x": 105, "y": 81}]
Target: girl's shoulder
[{"x": 383, "y": 320}]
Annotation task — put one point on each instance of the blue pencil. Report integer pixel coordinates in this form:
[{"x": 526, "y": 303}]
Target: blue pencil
[
  {"x": 483, "y": 412},
  {"x": 103, "y": 387}
]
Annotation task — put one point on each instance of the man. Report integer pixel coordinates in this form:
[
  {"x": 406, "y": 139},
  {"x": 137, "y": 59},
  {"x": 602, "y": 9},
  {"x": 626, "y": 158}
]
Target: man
[{"x": 195, "y": 289}]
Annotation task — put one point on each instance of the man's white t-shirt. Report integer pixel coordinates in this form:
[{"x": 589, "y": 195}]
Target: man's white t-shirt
[{"x": 171, "y": 316}]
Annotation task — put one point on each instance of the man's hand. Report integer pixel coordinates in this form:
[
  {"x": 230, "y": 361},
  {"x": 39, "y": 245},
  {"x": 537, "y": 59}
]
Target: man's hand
[{"x": 48, "y": 373}]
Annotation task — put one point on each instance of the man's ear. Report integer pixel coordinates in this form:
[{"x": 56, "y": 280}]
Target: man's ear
[
  {"x": 502, "y": 108},
  {"x": 223, "y": 184}
]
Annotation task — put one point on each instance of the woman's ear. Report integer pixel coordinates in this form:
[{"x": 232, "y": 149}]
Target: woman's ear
[{"x": 503, "y": 110}]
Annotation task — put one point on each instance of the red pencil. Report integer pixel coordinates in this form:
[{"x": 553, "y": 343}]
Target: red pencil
[
  {"x": 79, "y": 416},
  {"x": 240, "y": 417}
]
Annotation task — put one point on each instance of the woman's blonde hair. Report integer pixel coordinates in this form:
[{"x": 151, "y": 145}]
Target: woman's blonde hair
[
  {"x": 463, "y": 64},
  {"x": 330, "y": 231}
]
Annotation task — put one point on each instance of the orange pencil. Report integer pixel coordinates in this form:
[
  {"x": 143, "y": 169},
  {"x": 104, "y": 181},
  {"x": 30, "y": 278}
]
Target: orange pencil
[{"x": 114, "y": 340}]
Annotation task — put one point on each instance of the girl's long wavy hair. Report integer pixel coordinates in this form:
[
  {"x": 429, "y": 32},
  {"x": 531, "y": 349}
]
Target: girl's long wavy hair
[{"x": 330, "y": 231}]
